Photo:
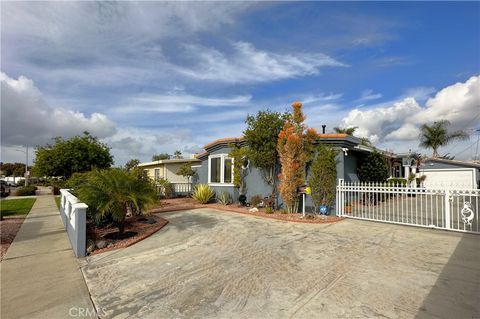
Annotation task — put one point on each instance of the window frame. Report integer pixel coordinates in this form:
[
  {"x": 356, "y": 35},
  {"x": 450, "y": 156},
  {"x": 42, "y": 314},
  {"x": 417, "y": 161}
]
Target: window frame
[{"x": 222, "y": 170}]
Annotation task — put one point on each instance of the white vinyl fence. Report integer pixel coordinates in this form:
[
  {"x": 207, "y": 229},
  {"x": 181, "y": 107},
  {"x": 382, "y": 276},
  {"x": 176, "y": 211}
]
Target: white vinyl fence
[
  {"x": 74, "y": 217},
  {"x": 443, "y": 208}
]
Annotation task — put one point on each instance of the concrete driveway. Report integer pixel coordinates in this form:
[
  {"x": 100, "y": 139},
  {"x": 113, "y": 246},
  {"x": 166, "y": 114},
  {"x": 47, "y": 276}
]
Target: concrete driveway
[{"x": 207, "y": 264}]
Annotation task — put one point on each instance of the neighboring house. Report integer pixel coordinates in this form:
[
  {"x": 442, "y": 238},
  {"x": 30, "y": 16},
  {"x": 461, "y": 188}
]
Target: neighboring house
[
  {"x": 443, "y": 173},
  {"x": 167, "y": 169},
  {"x": 216, "y": 167}
]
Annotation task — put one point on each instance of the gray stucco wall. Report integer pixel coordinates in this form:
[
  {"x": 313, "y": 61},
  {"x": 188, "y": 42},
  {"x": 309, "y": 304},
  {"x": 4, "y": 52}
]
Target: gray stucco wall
[{"x": 256, "y": 185}]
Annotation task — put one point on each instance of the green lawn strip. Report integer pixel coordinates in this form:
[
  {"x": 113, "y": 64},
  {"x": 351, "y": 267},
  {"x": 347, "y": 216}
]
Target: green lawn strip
[
  {"x": 57, "y": 201},
  {"x": 12, "y": 207}
]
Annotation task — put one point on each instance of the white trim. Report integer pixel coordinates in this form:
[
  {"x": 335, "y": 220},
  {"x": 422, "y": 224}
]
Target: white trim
[
  {"x": 221, "y": 184},
  {"x": 196, "y": 166},
  {"x": 222, "y": 170}
]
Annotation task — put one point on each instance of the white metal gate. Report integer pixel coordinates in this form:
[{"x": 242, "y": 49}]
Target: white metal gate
[{"x": 443, "y": 208}]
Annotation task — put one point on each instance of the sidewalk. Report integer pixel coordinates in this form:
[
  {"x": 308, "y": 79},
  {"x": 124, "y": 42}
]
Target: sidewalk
[{"x": 40, "y": 276}]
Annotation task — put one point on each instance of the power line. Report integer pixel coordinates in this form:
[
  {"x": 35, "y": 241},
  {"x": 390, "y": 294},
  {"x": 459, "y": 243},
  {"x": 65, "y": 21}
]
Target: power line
[
  {"x": 466, "y": 126},
  {"x": 468, "y": 147}
]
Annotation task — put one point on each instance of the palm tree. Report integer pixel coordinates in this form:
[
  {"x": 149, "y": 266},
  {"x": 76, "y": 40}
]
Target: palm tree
[
  {"x": 437, "y": 135},
  {"x": 114, "y": 192},
  {"x": 346, "y": 130}
]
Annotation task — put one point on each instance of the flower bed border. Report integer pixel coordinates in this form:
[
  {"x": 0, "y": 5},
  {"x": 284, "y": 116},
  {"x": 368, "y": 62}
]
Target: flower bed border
[
  {"x": 244, "y": 211},
  {"x": 162, "y": 223}
]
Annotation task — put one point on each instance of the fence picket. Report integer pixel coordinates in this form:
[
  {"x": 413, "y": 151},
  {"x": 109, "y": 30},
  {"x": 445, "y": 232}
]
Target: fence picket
[{"x": 443, "y": 208}]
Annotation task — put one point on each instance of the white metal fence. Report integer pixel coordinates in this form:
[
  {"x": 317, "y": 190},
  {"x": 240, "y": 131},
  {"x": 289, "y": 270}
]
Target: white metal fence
[{"x": 444, "y": 208}]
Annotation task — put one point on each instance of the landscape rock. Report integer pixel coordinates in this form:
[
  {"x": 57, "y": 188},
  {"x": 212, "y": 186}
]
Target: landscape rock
[
  {"x": 90, "y": 246},
  {"x": 253, "y": 210},
  {"x": 101, "y": 243}
]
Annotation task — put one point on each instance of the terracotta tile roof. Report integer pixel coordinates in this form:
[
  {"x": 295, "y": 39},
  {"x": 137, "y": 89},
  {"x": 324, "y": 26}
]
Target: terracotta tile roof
[
  {"x": 333, "y": 135},
  {"x": 224, "y": 140},
  {"x": 201, "y": 154}
]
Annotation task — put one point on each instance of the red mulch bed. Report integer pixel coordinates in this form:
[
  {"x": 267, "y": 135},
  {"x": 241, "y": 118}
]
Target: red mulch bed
[
  {"x": 9, "y": 227},
  {"x": 135, "y": 224},
  {"x": 176, "y": 204}
]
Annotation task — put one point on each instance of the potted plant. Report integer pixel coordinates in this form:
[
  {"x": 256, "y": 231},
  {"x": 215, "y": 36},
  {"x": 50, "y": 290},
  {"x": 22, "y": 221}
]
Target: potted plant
[{"x": 348, "y": 207}]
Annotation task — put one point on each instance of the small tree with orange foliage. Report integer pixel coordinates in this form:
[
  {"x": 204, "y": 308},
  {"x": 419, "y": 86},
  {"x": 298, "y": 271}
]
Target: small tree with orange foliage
[{"x": 295, "y": 148}]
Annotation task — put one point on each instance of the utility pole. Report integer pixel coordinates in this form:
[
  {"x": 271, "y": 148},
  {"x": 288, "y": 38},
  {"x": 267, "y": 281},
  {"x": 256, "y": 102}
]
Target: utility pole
[
  {"x": 26, "y": 164},
  {"x": 26, "y": 167}
]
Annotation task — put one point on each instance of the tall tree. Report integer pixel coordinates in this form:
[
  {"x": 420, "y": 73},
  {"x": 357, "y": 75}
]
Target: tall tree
[
  {"x": 178, "y": 154},
  {"x": 346, "y": 130},
  {"x": 161, "y": 156},
  {"x": 261, "y": 137},
  {"x": 131, "y": 164},
  {"x": 75, "y": 155},
  {"x": 323, "y": 176},
  {"x": 436, "y": 135},
  {"x": 186, "y": 171},
  {"x": 114, "y": 192},
  {"x": 295, "y": 148}
]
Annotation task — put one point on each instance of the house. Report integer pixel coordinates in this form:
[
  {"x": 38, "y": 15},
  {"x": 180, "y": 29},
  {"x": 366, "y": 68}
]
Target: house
[
  {"x": 167, "y": 169},
  {"x": 443, "y": 173},
  {"x": 216, "y": 167},
  {"x": 439, "y": 172}
]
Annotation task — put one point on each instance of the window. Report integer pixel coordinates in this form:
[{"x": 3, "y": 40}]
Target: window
[
  {"x": 215, "y": 165},
  {"x": 220, "y": 170},
  {"x": 227, "y": 168},
  {"x": 157, "y": 174}
]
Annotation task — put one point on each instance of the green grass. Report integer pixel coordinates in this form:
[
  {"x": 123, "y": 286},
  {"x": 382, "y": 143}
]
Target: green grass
[
  {"x": 57, "y": 200},
  {"x": 12, "y": 207}
]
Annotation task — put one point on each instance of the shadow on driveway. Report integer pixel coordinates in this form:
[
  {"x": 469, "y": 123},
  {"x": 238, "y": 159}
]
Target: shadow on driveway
[{"x": 456, "y": 293}]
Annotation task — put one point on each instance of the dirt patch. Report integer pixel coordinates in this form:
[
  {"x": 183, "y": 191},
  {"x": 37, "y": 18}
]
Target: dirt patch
[
  {"x": 137, "y": 228},
  {"x": 8, "y": 230},
  {"x": 175, "y": 204}
]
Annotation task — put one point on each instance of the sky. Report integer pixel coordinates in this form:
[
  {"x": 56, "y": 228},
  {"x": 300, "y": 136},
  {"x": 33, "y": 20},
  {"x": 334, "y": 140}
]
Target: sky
[{"x": 155, "y": 77}]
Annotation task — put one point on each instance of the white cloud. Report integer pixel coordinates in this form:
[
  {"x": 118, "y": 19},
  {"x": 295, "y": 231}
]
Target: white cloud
[
  {"x": 103, "y": 43},
  {"x": 376, "y": 123},
  {"x": 369, "y": 95},
  {"x": 458, "y": 103},
  {"x": 27, "y": 118},
  {"x": 178, "y": 103},
  {"x": 246, "y": 64},
  {"x": 138, "y": 143}
]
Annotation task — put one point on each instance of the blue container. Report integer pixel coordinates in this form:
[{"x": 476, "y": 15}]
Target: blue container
[{"x": 323, "y": 210}]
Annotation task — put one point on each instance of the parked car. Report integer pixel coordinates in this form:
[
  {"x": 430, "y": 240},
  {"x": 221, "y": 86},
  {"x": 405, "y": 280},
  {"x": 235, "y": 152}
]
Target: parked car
[{"x": 5, "y": 189}]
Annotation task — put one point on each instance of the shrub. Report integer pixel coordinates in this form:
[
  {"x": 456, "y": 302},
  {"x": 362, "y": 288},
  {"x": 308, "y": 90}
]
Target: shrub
[
  {"x": 26, "y": 191},
  {"x": 203, "y": 193},
  {"x": 268, "y": 210},
  {"x": 374, "y": 168},
  {"x": 113, "y": 192},
  {"x": 323, "y": 177},
  {"x": 75, "y": 181},
  {"x": 20, "y": 183},
  {"x": 256, "y": 200},
  {"x": 397, "y": 181},
  {"x": 166, "y": 188},
  {"x": 224, "y": 198}
]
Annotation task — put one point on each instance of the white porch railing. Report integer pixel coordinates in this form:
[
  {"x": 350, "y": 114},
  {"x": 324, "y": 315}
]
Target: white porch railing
[
  {"x": 445, "y": 208},
  {"x": 74, "y": 217},
  {"x": 182, "y": 188}
]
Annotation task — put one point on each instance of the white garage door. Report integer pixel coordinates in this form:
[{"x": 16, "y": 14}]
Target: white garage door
[{"x": 454, "y": 178}]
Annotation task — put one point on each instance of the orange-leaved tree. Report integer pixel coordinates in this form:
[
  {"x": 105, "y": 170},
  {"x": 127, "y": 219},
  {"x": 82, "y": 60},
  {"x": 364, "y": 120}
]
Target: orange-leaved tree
[{"x": 295, "y": 148}]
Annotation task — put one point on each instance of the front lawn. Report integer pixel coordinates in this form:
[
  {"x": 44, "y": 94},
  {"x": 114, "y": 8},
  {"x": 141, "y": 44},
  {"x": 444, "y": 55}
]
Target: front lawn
[
  {"x": 12, "y": 207},
  {"x": 57, "y": 201}
]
